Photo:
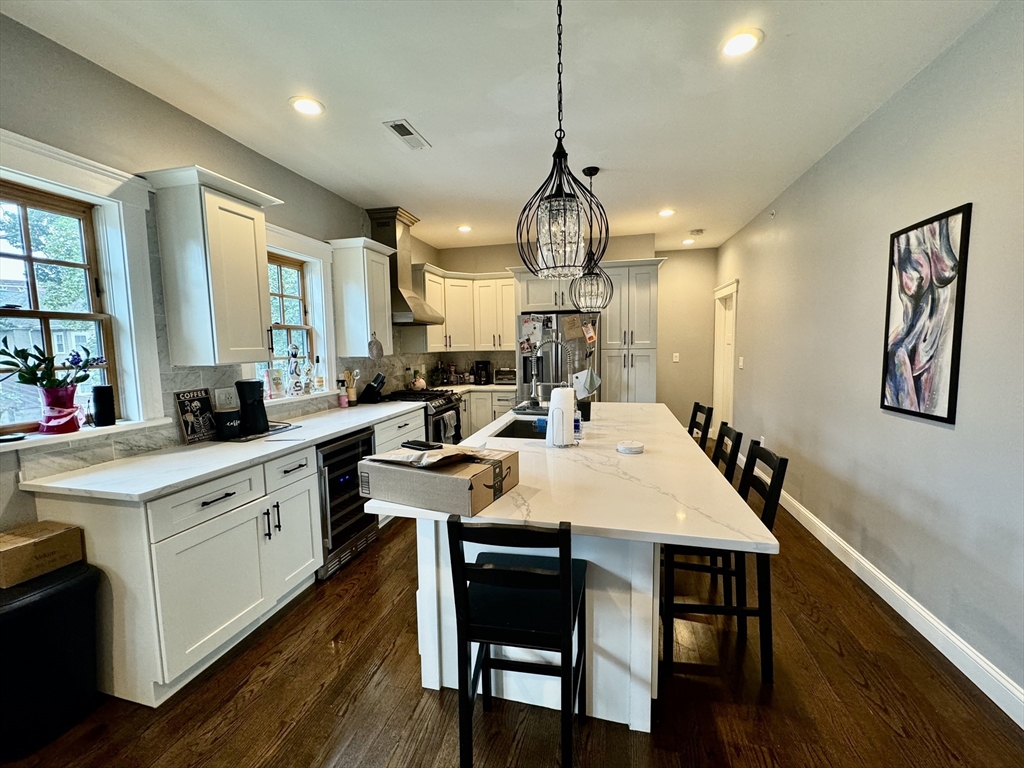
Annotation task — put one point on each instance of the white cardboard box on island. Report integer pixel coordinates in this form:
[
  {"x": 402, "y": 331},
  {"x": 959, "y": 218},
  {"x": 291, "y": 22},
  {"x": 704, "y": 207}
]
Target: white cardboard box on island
[{"x": 463, "y": 488}]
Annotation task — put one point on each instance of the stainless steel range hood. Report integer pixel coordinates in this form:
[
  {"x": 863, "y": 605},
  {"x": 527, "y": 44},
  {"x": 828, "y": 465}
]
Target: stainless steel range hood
[{"x": 390, "y": 226}]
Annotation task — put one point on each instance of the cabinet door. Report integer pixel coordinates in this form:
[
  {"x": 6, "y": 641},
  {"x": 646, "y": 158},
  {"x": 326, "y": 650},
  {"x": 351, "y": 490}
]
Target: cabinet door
[
  {"x": 499, "y": 410},
  {"x": 485, "y": 304},
  {"x": 209, "y": 585},
  {"x": 480, "y": 409},
  {"x": 378, "y": 290},
  {"x": 458, "y": 305},
  {"x": 294, "y": 549},
  {"x": 643, "y": 307},
  {"x": 433, "y": 294},
  {"x": 507, "y": 314},
  {"x": 467, "y": 417},
  {"x": 615, "y": 317},
  {"x": 614, "y": 376},
  {"x": 643, "y": 375},
  {"x": 236, "y": 240},
  {"x": 537, "y": 295}
]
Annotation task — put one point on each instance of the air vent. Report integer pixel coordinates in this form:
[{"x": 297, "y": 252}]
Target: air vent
[{"x": 409, "y": 135}]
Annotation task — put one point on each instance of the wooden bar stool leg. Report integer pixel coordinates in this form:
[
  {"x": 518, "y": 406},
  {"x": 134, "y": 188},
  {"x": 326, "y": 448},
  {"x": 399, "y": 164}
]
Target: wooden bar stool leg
[
  {"x": 764, "y": 606},
  {"x": 741, "y": 592},
  {"x": 567, "y": 706},
  {"x": 485, "y": 673},
  {"x": 465, "y": 707},
  {"x": 668, "y": 612},
  {"x": 581, "y": 653}
]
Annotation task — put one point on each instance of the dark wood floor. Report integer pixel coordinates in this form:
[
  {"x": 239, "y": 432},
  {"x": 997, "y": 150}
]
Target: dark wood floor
[{"x": 335, "y": 682}]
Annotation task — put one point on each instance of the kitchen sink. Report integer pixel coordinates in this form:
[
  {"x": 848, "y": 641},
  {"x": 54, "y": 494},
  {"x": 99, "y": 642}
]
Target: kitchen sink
[{"x": 521, "y": 429}]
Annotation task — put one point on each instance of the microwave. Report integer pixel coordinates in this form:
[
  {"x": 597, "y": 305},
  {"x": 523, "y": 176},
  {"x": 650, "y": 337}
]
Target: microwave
[{"x": 504, "y": 375}]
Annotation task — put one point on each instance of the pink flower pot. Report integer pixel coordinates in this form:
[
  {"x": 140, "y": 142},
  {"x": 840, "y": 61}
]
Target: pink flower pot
[{"x": 60, "y": 414}]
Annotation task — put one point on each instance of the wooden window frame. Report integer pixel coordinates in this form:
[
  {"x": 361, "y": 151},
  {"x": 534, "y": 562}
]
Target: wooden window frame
[
  {"x": 27, "y": 197},
  {"x": 278, "y": 260}
]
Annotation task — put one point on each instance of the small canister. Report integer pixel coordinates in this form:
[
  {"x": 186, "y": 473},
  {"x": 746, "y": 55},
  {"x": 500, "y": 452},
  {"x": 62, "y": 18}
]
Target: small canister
[
  {"x": 353, "y": 398},
  {"x": 229, "y": 424}
]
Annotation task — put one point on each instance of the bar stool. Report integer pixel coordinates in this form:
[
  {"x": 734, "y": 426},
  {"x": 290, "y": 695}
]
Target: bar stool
[
  {"x": 769, "y": 493},
  {"x": 701, "y": 425},
  {"x": 520, "y": 601}
]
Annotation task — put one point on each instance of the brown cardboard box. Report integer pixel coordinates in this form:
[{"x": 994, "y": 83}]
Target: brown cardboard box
[
  {"x": 462, "y": 489},
  {"x": 37, "y": 548}
]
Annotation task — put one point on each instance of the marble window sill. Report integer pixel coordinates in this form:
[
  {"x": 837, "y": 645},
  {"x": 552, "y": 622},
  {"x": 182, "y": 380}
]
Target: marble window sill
[{"x": 35, "y": 440}]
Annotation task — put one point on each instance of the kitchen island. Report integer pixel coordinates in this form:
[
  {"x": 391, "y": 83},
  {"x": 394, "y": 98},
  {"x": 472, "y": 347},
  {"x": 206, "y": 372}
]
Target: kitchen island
[{"x": 621, "y": 507}]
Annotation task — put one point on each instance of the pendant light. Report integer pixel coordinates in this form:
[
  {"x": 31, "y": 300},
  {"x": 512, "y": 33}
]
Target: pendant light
[
  {"x": 563, "y": 227},
  {"x": 593, "y": 290}
]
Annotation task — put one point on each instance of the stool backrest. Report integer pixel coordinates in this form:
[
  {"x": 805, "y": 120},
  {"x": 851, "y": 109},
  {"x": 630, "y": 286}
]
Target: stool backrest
[
  {"x": 769, "y": 492},
  {"x": 700, "y": 420},
  {"x": 509, "y": 577},
  {"x": 727, "y": 449}
]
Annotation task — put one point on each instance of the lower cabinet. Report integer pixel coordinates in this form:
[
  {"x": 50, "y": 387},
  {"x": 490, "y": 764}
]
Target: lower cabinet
[
  {"x": 629, "y": 376},
  {"x": 293, "y": 549},
  {"x": 480, "y": 410}
]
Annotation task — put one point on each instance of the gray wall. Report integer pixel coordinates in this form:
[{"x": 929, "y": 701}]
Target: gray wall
[
  {"x": 59, "y": 98},
  {"x": 494, "y": 258},
  {"x": 939, "y": 509}
]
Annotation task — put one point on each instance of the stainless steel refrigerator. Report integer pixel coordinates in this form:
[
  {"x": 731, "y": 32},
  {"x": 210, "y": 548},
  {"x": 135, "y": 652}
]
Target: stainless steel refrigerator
[{"x": 553, "y": 363}]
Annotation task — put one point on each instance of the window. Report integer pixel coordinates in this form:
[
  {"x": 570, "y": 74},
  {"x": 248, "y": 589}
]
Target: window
[
  {"x": 289, "y": 313},
  {"x": 49, "y": 292}
]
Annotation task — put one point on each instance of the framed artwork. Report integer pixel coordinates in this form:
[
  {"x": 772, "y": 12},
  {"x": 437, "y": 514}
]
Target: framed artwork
[
  {"x": 924, "y": 316},
  {"x": 195, "y": 415}
]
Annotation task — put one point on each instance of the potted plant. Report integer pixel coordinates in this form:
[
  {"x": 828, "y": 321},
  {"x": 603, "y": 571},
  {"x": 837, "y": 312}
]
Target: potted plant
[{"x": 35, "y": 368}]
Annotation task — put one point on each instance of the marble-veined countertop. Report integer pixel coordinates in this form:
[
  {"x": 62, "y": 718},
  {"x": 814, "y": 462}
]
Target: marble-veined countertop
[
  {"x": 671, "y": 493},
  {"x": 152, "y": 475}
]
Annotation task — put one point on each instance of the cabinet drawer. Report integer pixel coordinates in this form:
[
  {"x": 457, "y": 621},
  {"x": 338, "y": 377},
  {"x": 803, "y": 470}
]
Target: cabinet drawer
[
  {"x": 408, "y": 424},
  {"x": 287, "y": 469},
  {"x": 185, "y": 509},
  {"x": 390, "y": 445},
  {"x": 502, "y": 399}
]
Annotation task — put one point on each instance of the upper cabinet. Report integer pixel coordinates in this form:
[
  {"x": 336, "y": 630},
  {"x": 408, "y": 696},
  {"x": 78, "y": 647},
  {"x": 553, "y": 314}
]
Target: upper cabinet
[
  {"x": 458, "y": 314},
  {"x": 631, "y": 319},
  {"x": 495, "y": 313},
  {"x": 213, "y": 252},
  {"x": 362, "y": 295},
  {"x": 539, "y": 295}
]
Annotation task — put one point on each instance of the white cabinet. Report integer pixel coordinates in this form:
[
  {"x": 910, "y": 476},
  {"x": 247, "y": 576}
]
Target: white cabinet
[
  {"x": 209, "y": 585},
  {"x": 362, "y": 295},
  {"x": 494, "y": 303},
  {"x": 213, "y": 253},
  {"x": 614, "y": 376},
  {"x": 642, "y": 375},
  {"x": 643, "y": 307},
  {"x": 433, "y": 294},
  {"x": 464, "y": 415},
  {"x": 501, "y": 403},
  {"x": 629, "y": 336},
  {"x": 539, "y": 295},
  {"x": 615, "y": 317},
  {"x": 458, "y": 305},
  {"x": 480, "y": 409},
  {"x": 293, "y": 550}
]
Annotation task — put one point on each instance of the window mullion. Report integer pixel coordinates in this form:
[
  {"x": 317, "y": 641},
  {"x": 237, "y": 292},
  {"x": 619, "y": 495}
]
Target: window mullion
[{"x": 30, "y": 271}]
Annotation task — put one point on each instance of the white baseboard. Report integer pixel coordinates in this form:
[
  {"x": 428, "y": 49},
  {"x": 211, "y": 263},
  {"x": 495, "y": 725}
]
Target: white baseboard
[{"x": 1007, "y": 695}]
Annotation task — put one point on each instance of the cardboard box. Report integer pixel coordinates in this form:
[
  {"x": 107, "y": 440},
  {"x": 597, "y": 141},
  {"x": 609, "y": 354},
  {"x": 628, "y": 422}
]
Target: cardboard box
[
  {"x": 461, "y": 489},
  {"x": 37, "y": 548}
]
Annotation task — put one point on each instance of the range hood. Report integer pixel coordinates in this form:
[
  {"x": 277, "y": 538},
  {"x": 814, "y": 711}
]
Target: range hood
[{"x": 390, "y": 226}]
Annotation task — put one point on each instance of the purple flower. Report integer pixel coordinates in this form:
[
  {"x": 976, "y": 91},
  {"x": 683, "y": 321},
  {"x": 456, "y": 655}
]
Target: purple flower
[
  {"x": 74, "y": 359},
  {"x": 99, "y": 361}
]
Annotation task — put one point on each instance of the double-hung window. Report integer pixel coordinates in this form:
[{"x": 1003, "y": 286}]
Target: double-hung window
[
  {"x": 50, "y": 294},
  {"x": 289, "y": 313}
]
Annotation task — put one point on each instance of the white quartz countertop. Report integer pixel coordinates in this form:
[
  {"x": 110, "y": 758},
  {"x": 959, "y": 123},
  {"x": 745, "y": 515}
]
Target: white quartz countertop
[
  {"x": 463, "y": 389},
  {"x": 671, "y": 493},
  {"x": 151, "y": 475}
]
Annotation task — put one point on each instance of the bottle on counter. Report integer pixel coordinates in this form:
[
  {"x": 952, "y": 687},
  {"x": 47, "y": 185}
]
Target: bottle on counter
[
  {"x": 318, "y": 375},
  {"x": 577, "y": 424},
  {"x": 408, "y": 377}
]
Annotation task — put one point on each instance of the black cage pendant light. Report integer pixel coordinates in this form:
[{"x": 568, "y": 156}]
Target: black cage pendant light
[
  {"x": 563, "y": 226},
  {"x": 593, "y": 290}
]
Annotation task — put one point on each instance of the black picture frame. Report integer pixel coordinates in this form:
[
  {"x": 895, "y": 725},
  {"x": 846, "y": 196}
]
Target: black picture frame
[
  {"x": 195, "y": 415},
  {"x": 895, "y": 352}
]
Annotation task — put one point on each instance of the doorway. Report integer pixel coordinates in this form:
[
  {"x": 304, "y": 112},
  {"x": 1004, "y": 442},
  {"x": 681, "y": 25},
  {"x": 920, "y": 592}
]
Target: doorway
[{"x": 725, "y": 352}]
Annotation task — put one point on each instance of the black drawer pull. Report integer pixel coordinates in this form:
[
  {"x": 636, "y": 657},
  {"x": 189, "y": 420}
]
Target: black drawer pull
[
  {"x": 267, "y": 533},
  {"x": 403, "y": 426},
  {"x": 227, "y": 495},
  {"x": 296, "y": 468},
  {"x": 277, "y": 507}
]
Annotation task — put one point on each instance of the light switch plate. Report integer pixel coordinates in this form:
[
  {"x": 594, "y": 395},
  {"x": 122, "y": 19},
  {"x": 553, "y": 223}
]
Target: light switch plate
[
  {"x": 741, "y": 363},
  {"x": 675, "y": 357},
  {"x": 226, "y": 398}
]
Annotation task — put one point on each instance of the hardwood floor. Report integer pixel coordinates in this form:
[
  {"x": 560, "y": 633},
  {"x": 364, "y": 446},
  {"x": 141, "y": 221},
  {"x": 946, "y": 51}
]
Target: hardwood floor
[{"x": 335, "y": 682}]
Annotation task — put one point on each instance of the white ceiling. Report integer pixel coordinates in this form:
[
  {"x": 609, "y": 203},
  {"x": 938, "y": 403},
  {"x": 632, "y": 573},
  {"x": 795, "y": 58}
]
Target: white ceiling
[{"x": 648, "y": 98}]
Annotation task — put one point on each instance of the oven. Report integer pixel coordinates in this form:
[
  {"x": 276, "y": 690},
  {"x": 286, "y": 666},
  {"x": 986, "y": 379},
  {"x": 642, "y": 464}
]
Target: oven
[
  {"x": 347, "y": 530},
  {"x": 440, "y": 426}
]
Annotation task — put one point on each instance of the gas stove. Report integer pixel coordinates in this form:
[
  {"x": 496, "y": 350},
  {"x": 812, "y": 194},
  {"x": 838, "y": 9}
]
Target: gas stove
[{"x": 436, "y": 399}]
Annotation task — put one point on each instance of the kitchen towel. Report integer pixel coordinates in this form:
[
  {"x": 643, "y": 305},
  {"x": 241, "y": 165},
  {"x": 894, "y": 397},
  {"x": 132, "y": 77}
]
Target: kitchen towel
[{"x": 449, "y": 420}]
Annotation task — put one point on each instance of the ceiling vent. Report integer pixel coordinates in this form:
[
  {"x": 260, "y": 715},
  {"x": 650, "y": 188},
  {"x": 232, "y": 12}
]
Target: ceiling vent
[{"x": 409, "y": 135}]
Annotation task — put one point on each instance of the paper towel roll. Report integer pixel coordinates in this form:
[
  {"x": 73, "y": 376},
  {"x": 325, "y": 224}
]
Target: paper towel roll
[{"x": 560, "y": 418}]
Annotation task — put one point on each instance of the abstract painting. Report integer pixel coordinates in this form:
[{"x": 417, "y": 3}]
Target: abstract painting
[{"x": 924, "y": 316}]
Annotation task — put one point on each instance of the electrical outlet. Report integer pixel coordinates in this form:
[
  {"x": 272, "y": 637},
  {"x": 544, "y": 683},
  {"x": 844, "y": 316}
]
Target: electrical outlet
[
  {"x": 226, "y": 398},
  {"x": 675, "y": 357},
  {"x": 741, "y": 363}
]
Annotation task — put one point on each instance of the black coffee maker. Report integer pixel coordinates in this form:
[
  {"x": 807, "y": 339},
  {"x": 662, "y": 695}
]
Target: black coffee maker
[
  {"x": 482, "y": 372},
  {"x": 250, "y": 407}
]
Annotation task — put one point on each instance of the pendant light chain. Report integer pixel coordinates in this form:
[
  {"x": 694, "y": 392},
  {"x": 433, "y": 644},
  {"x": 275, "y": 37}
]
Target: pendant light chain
[{"x": 559, "y": 134}]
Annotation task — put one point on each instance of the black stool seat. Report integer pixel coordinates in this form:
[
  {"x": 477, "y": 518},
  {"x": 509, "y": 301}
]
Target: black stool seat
[{"x": 526, "y": 616}]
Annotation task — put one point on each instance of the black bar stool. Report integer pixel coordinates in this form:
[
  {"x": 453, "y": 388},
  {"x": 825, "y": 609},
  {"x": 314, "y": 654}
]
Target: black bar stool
[
  {"x": 769, "y": 494},
  {"x": 522, "y": 601},
  {"x": 701, "y": 425}
]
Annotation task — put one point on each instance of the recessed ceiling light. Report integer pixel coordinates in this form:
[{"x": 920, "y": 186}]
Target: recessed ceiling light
[
  {"x": 666, "y": 212},
  {"x": 464, "y": 228},
  {"x": 743, "y": 42},
  {"x": 688, "y": 241},
  {"x": 306, "y": 105}
]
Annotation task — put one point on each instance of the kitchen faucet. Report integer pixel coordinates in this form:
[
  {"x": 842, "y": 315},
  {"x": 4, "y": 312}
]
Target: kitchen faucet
[{"x": 534, "y": 400}]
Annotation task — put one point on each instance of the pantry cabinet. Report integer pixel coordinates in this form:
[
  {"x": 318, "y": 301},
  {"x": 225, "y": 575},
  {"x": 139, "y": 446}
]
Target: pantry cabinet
[
  {"x": 362, "y": 295},
  {"x": 213, "y": 255}
]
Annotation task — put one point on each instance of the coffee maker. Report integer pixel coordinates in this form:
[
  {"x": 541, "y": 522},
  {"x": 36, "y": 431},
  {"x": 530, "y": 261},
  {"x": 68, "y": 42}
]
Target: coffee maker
[
  {"x": 482, "y": 373},
  {"x": 250, "y": 407}
]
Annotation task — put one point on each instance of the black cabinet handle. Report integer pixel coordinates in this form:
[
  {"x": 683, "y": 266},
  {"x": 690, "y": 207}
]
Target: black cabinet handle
[
  {"x": 403, "y": 426},
  {"x": 563, "y": 298},
  {"x": 227, "y": 495},
  {"x": 267, "y": 533},
  {"x": 630, "y": 337},
  {"x": 296, "y": 468},
  {"x": 623, "y": 359},
  {"x": 270, "y": 340},
  {"x": 556, "y": 298},
  {"x": 277, "y": 508},
  {"x": 630, "y": 359},
  {"x": 623, "y": 338}
]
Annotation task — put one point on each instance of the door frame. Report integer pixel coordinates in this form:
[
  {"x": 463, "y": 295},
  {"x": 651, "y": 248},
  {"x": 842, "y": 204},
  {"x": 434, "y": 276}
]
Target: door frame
[{"x": 724, "y": 410}]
